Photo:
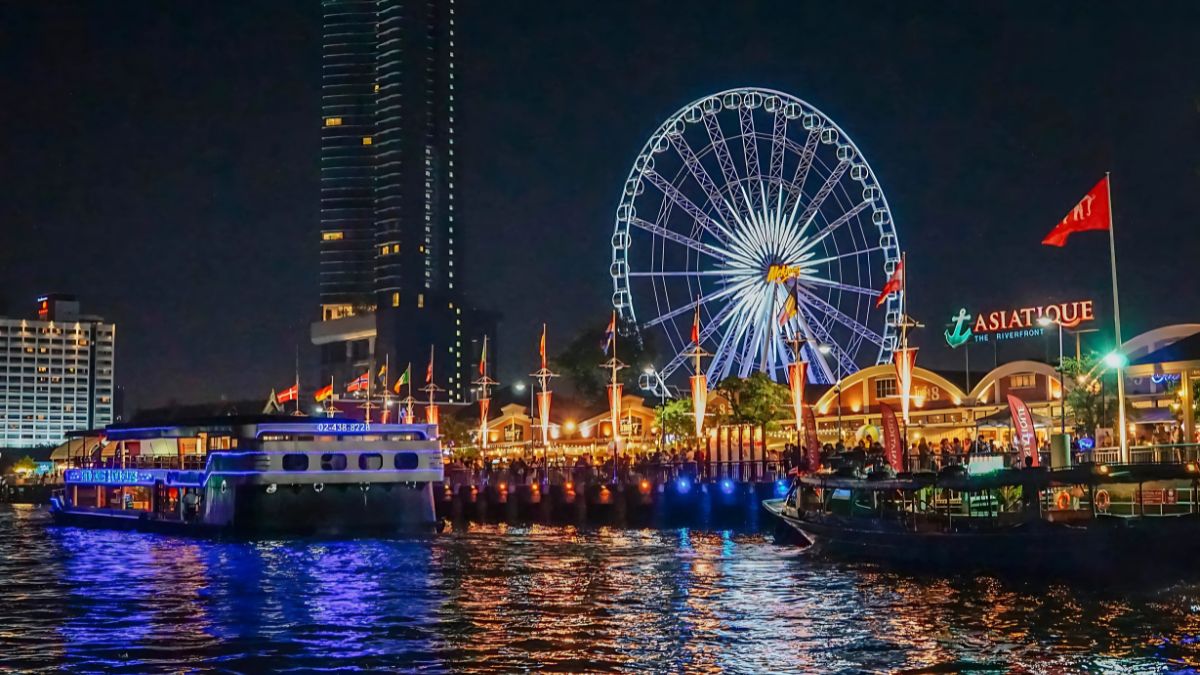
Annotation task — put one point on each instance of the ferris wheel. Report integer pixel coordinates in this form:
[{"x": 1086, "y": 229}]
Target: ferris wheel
[{"x": 756, "y": 208}]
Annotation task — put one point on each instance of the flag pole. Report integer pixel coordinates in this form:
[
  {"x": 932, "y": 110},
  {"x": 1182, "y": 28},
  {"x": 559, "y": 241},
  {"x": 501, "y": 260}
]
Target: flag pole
[
  {"x": 1112, "y": 255},
  {"x": 297, "y": 379}
]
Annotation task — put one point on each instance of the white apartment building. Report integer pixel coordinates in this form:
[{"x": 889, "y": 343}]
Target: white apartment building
[{"x": 56, "y": 374}]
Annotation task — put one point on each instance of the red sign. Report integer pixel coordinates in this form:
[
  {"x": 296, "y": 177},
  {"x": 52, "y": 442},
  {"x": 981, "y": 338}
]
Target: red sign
[
  {"x": 1093, "y": 212},
  {"x": 1159, "y": 497},
  {"x": 891, "y": 437},
  {"x": 1023, "y": 422},
  {"x": 1069, "y": 314},
  {"x": 811, "y": 442}
]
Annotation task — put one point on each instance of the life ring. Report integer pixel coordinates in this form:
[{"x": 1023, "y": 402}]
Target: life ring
[
  {"x": 1102, "y": 500},
  {"x": 1063, "y": 500}
]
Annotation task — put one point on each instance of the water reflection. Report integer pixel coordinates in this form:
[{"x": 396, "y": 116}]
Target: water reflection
[{"x": 503, "y": 599}]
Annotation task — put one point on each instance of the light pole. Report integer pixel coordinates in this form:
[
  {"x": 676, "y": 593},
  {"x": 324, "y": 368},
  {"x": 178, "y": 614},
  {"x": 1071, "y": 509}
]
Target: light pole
[
  {"x": 825, "y": 350},
  {"x": 1044, "y": 322},
  {"x": 662, "y": 402}
]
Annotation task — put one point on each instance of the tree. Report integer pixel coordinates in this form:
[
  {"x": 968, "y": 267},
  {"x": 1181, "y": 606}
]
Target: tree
[
  {"x": 455, "y": 432},
  {"x": 676, "y": 418},
  {"x": 580, "y": 362},
  {"x": 756, "y": 400},
  {"x": 1093, "y": 399}
]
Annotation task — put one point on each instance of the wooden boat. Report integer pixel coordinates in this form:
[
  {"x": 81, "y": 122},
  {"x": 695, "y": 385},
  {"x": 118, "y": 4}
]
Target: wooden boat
[{"x": 1093, "y": 518}]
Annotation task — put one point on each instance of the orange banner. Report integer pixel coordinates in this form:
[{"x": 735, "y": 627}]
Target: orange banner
[
  {"x": 543, "y": 400},
  {"x": 906, "y": 358},
  {"x": 797, "y": 372},
  {"x": 614, "y": 404},
  {"x": 699, "y": 401},
  {"x": 891, "y": 437},
  {"x": 483, "y": 418}
]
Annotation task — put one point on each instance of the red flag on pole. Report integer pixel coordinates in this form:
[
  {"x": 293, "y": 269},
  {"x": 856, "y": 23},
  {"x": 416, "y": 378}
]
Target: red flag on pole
[
  {"x": 1093, "y": 212},
  {"x": 289, "y": 394},
  {"x": 542, "y": 347},
  {"x": 1023, "y": 422},
  {"x": 893, "y": 285},
  {"x": 696, "y": 326},
  {"x": 891, "y": 437}
]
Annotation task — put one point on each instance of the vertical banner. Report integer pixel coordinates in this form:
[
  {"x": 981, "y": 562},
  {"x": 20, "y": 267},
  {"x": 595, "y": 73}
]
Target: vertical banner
[
  {"x": 614, "y": 404},
  {"x": 483, "y": 418},
  {"x": 906, "y": 358},
  {"x": 797, "y": 372},
  {"x": 891, "y": 437},
  {"x": 431, "y": 414},
  {"x": 543, "y": 400},
  {"x": 699, "y": 402},
  {"x": 812, "y": 443},
  {"x": 1023, "y": 422}
]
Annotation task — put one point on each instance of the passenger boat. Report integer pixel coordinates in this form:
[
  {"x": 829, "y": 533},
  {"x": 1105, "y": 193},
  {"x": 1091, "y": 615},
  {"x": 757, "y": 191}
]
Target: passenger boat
[
  {"x": 1093, "y": 518},
  {"x": 256, "y": 474}
]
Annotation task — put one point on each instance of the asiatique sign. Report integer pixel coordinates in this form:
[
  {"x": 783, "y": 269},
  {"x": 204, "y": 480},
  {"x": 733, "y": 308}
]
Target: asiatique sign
[{"x": 1021, "y": 322}]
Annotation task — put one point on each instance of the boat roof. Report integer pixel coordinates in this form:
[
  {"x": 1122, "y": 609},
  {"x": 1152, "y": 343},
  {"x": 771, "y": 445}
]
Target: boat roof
[
  {"x": 1088, "y": 474},
  {"x": 254, "y": 425}
]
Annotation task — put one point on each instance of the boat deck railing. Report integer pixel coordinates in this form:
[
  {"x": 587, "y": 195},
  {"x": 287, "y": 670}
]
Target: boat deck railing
[
  {"x": 654, "y": 473},
  {"x": 1156, "y": 453}
]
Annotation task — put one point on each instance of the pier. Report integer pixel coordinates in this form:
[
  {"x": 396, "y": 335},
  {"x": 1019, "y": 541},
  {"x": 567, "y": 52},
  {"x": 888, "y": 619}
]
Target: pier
[{"x": 669, "y": 495}]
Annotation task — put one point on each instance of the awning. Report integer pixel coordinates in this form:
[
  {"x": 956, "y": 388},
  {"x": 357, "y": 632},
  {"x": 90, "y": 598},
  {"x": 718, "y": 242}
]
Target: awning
[
  {"x": 1002, "y": 419},
  {"x": 1154, "y": 416}
]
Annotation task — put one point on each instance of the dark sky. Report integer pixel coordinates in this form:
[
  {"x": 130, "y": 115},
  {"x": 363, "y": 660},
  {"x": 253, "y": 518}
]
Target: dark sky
[{"x": 161, "y": 158}]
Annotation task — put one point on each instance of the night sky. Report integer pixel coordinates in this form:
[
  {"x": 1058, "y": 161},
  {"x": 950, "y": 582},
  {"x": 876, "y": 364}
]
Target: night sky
[{"x": 160, "y": 159}]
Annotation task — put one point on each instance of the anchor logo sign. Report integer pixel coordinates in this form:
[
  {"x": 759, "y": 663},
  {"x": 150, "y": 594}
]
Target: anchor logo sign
[{"x": 962, "y": 330}]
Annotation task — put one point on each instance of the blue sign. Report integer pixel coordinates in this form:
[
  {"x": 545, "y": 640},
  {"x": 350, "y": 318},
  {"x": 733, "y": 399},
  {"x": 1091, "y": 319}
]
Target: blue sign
[
  {"x": 110, "y": 476},
  {"x": 1087, "y": 443}
]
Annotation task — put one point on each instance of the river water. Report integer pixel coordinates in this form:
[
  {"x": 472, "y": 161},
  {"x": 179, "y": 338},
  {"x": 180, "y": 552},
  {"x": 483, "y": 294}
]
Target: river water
[{"x": 505, "y": 599}]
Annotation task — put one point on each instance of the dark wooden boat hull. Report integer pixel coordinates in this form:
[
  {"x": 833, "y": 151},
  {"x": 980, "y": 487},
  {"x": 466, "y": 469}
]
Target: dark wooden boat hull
[{"x": 1102, "y": 547}]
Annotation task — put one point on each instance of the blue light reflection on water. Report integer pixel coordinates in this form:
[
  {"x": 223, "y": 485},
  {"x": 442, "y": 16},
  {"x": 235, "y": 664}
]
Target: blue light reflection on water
[{"x": 502, "y": 599}]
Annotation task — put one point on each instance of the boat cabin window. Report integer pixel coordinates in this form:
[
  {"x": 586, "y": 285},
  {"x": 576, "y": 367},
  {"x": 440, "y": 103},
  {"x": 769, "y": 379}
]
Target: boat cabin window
[
  {"x": 372, "y": 461},
  {"x": 295, "y": 462},
  {"x": 331, "y": 461},
  {"x": 406, "y": 461}
]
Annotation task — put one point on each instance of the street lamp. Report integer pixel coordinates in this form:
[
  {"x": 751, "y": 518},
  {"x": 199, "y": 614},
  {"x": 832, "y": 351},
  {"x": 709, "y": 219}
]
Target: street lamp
[
  {"x": 1045, "y": 322},
  {"x": 826, "y": 350}
]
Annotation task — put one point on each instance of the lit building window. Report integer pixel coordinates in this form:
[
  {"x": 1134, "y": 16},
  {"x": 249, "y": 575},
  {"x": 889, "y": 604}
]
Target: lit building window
[
  {"x": 420, "y": 300},
  {"x": 332, "y": 236},
  {"x": 333, "y": 121},
  {"x": 366, "y": 140},
  {"x": 396, "y": 299}
]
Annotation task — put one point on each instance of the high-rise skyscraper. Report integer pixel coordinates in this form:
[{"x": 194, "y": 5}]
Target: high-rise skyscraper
[{"x": 389, "y": 258}]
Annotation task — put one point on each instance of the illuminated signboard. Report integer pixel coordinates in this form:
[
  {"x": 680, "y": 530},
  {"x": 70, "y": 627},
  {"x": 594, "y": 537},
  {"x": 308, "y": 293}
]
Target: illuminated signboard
[
  {"x": 779, "y": 274},
  {"x": 1009, "y": 324},
  {"x": 110, "y": 476}
]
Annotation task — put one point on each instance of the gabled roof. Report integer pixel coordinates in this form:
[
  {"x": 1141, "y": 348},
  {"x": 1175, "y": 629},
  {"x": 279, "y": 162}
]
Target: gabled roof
[{"x": 1187, "y": 349}]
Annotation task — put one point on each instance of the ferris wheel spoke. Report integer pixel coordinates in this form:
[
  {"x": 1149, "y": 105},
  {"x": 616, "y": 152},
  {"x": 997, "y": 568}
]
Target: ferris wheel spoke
[
  {"x": 833, "y": 226},
  {"x": 800, "y": 176},
  {"x": 713, "y": 227},
  {"x": 778, "y": 136},
  {"x": 851, "y": 254},
  {"x": 839, "y": 316},
  {"x": 750, "y": 154},
  {"x": 682, "y": 239},
  {"x": 699, "y": 173},
  {"x": 836, "y": 351},
  {"x": 831, "y": 182},
  {"x": 702, "y": 300},
  {"x": 829, "y": 283},
  {"x": 713, "y": 325},
  {"x": 721, "y": 148},
  {"x": 731, "y": 272},
  {"x": 804, "y": 320}
]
